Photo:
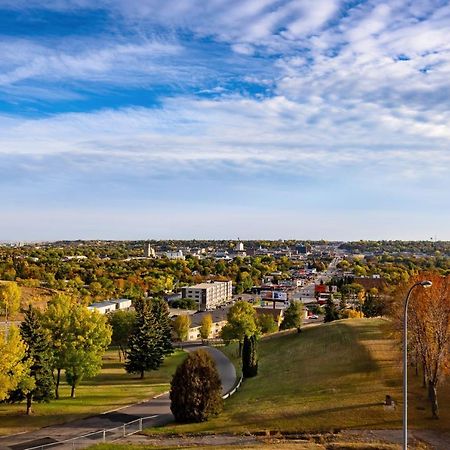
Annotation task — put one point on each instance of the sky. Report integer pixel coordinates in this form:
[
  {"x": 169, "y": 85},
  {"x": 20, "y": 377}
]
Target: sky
[{"x": 258, "y": 119}]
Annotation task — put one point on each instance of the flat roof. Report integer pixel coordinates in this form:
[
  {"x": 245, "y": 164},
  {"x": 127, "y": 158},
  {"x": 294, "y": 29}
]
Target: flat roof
[{"x": 206, "y": 285}]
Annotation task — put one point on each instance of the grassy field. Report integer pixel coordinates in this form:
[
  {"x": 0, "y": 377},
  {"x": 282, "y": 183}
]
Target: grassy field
[
  {"x": 111, "y": 389},
  {"x": 329, "y": 377}
]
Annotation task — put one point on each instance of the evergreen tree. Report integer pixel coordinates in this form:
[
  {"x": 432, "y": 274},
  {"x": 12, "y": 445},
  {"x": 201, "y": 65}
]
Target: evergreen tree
[
  {"x": 249, "y": 357},
  {"x": 160, "y": 312},
  {"x": 149, "y": 340},
  {"x": 195, "y": 391},
  {"x": 331, "y": 312},
  {"x": 293, "y": 316},
  {"x": 39, "y": 357}
]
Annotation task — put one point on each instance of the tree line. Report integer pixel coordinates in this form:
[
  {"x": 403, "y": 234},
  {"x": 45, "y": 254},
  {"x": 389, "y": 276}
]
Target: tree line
[{"x": 69, "y": 339}]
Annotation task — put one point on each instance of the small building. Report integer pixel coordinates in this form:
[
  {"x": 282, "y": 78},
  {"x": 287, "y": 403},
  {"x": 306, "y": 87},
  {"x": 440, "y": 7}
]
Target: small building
[
  {"x": 178, "y": 254},
  {"x": 109, "y": 306},
  {"x": 209, "y": 296},
  {"x": 219, "y": 320}
]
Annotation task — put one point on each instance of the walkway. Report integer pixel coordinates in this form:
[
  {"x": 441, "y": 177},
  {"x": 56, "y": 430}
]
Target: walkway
[{"x": 158, "y": 407}]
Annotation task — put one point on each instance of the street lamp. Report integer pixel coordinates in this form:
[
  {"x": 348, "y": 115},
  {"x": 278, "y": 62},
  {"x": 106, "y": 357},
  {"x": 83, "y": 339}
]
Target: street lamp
[{"x": 424, "y": 284}]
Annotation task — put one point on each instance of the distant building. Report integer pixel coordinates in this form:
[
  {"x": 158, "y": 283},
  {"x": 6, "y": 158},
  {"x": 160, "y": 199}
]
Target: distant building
[
  {"x": 304, "y": 249},
  {"x": 109, "y": 306},
  {"x": 219, "y": 320},
  {"x": 177, "y": 254},
  {"x": 209, "y": 295},
  {"x": 149, "y": 251}
]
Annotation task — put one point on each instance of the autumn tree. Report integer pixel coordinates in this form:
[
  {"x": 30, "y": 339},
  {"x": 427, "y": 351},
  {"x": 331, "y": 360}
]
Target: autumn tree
[
  {"x": 195, "y": 390},
  {"x": 13, "y": 366},
  {"x": 181, "y": 325},
  {"x": 10, "y": 295},
  {"x": 429, "y": 331},
  {"x": 206, "y": 326}
]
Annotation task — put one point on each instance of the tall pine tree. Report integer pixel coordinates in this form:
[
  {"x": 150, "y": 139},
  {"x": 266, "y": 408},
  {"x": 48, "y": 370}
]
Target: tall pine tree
[
  {"x": 149, "y": 341},
  {"x": 39, "y": 357}
]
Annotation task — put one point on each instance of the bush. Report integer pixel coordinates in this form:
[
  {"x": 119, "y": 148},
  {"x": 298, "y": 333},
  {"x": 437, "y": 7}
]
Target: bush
[
  {"x": 351, "y": 314},
  {"x": 195, "y": 391}
]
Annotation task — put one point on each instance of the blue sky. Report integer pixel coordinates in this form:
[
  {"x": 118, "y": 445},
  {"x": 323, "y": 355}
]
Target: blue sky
[{"x": 124, "y": 119}]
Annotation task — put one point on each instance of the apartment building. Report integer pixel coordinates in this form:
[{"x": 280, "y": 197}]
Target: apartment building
[{"x": 210, "y": 295}]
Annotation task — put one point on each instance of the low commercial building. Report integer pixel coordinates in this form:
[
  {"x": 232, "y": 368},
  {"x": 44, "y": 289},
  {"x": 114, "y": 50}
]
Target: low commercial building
[
  {"x": 109, "y": 306},
  {"x": 209, "y": 296}
]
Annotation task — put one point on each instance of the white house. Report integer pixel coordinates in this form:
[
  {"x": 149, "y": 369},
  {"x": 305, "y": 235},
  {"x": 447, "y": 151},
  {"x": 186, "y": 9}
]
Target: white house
[{"x": 109, "y": 306}]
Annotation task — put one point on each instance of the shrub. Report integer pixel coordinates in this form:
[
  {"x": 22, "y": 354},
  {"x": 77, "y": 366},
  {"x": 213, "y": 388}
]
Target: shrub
[{"x": 195, "y": 391}]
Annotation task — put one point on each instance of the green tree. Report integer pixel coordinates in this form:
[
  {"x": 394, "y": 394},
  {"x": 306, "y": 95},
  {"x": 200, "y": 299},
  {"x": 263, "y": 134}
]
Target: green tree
[
  {"x": 242, "y": 322},
  {"x": 13, "y": 369},
  {"x": 184, "y": 303},
  {"x": 206, "y": 326},
  {"x": 331, "y": 312},
  {"x": 89, "y": 337},
  {"x": 181, "y": 325},
  {"x": 121, "y": 323},
  {"x": 250, "y": 357},
  {"x": 267, "y": 324},
  {"x": 56, "y": 320},
  {"x": 195, "y": 391},
  {"x": 38, "y": 357},
  {"x": 10, "y": 295},
  {"x": 163, "y": 323},
  {"x": 293, "y": 316},
  {"x": 149, "y": 341}
]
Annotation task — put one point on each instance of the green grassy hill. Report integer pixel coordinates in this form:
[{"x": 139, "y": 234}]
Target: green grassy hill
[{"x": 328, "y": 377}]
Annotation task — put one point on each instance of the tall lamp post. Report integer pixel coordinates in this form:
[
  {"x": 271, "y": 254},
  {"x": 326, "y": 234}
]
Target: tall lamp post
[{"x": 424, "y": 284}]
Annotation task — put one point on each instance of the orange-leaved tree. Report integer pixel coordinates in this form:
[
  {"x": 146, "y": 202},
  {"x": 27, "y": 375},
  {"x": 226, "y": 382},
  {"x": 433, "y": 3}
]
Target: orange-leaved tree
[{"x": 429, "y": 331}]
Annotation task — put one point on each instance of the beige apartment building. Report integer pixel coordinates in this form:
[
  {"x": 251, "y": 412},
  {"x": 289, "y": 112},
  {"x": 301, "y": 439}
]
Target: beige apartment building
[{"x": 210, "y": 295}]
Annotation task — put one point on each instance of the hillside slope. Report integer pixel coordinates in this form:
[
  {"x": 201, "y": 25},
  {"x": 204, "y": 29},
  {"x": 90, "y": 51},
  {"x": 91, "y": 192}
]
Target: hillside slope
[{"x": 328, "y": 377}]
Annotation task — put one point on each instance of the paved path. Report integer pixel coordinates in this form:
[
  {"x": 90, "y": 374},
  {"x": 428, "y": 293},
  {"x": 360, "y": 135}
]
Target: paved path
[{"x": 157, "y": 408}]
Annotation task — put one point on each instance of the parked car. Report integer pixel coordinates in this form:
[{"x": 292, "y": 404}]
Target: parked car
[{"x": 313, "y": 317}]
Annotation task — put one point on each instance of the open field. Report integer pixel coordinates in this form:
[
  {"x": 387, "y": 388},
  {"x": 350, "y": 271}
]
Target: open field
[
  {"x": 111, "y": 389},
  {"x": 330, "y": 377}
]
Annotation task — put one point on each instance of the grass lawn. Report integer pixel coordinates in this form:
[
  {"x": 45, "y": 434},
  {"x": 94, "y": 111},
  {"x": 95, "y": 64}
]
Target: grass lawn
[
  {"x": 111, "y": 389},
  {"x": 328, "y": 377}
]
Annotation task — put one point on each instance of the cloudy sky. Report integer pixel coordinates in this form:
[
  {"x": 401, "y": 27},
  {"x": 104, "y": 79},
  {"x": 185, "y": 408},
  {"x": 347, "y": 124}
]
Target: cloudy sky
[{"x": 223, "y": 118}]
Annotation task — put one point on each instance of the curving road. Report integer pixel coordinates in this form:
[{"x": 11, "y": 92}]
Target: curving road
[{"x": 158, "y": 409}]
